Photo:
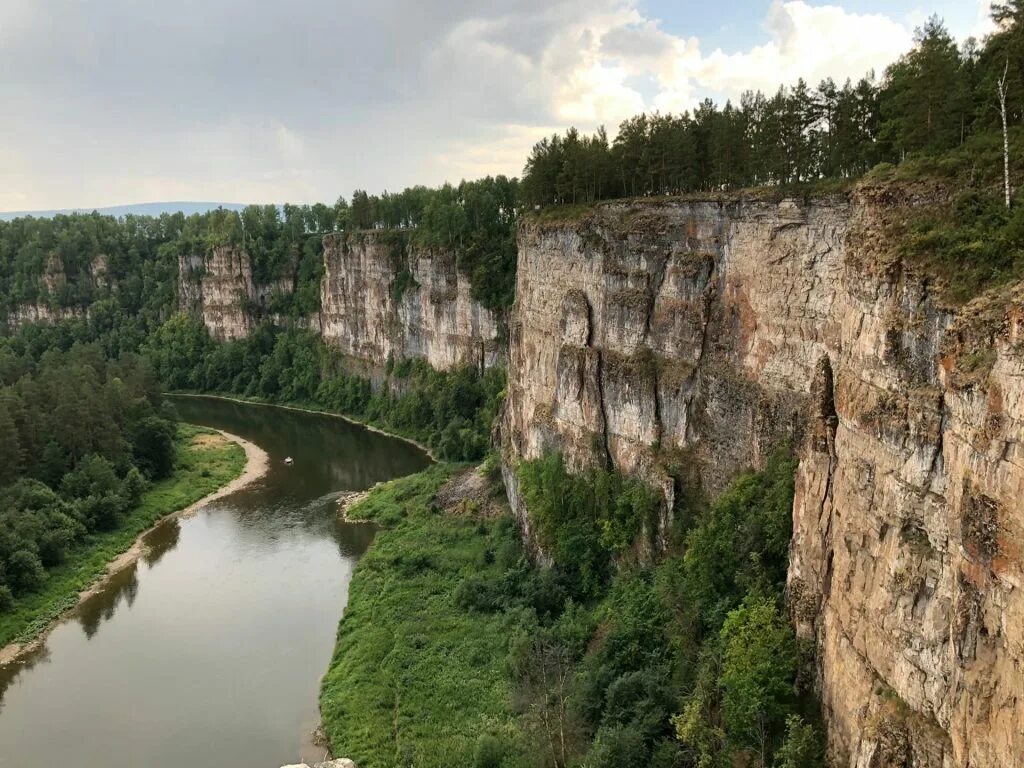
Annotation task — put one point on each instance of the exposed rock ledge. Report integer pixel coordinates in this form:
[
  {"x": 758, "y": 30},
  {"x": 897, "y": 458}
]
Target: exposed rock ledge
[
  {"x": 702, "y": 334},
  {"x": 339, "y": 763}
]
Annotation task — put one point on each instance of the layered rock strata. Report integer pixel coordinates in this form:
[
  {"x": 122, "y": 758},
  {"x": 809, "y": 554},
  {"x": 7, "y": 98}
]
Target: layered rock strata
[
  {"x": 381, "y": 300},
  {"x": 219, "y": 288},
  {"x": 645, "y": 335}
]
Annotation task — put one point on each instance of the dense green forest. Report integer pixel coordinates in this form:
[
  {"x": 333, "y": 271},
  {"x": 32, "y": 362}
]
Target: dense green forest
[
  {"x": 689, "y": 661},
  {"x": 125, "y": 271},
  {"x": 936, "y": 100},
  {"x": 81, "y": 437},
  {"x": 450, "y": 412}
]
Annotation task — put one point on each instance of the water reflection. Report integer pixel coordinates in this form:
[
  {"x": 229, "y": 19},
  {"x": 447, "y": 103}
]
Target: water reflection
[
  {"x": 122, "y": 587},
  {"x": 161, "y": 540},
  {"x": 208, "y": 651}
]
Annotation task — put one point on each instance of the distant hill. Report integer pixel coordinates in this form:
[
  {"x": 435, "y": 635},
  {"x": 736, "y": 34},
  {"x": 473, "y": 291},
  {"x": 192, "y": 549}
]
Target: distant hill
[{"x": 141, "y": 209}]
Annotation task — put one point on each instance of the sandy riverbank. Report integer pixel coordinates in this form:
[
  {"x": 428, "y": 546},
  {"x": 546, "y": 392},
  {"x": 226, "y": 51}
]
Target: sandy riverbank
[{"x": 256, "y": 464}]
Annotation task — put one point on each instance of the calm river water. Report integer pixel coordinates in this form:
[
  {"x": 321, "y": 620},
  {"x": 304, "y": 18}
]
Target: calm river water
[{"x": 209, "y": 652}]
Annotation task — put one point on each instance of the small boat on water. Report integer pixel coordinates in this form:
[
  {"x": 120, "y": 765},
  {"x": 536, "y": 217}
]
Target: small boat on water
[{"x": 289, "y": 461}]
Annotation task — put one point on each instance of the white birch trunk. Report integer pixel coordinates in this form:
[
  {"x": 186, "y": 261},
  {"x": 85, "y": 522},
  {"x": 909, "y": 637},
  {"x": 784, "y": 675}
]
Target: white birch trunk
[{"x": 1006, "y": 135}]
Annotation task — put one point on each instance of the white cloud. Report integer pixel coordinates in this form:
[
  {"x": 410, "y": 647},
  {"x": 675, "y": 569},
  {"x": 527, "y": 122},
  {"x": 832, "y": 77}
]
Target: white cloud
[
  {"x": 813, "y": 42},
  {"x": 805, "y": 41},
  {"x": 983, "y": 25},
  {"x": 244, "y": 100}
]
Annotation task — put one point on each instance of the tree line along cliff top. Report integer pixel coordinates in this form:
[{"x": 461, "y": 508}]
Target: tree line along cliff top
[{"x": 931, "y": 115}]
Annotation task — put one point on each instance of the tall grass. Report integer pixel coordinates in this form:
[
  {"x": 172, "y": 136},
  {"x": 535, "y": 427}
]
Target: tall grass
[{"x": 417, "y": 677}]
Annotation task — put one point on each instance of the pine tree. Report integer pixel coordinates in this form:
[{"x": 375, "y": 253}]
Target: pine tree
[{"x": 926, "y": 100}]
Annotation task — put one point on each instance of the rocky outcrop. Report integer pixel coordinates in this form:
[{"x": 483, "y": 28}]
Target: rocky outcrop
[
  {"x": 219, "y": 288},
  {"x": 645, "y": 335},
  {"x": 381, "y": 300},
  {"x": 43, "y": 313},
  {"x": 52, "y": 281}
]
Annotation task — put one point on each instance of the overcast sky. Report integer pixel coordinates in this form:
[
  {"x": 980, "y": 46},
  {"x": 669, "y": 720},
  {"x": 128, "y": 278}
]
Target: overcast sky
[{"x": 122, "y": 101}]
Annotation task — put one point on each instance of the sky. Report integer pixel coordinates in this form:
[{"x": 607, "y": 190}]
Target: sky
[{"x": 109, "y": 102}]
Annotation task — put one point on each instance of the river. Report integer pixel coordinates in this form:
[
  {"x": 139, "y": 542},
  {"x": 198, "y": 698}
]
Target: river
[{"x": 209, "y": 651}]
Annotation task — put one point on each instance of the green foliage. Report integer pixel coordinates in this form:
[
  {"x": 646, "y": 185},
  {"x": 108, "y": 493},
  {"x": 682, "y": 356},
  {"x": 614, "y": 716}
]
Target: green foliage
[
  {"x": 759, "y": 662},
  {"x": 977, "y": 245},
  {"x": 153, "y": 446},
  {"x": 926, "y": 102},
  {"x": 803, "y": 747},
  {"x": 489, "y": 752},
  {"x": 686, "y": 662},
  {"x": 475, "y": 221},
  {"x": 416, "y": 678},
  {"x": 585, "y": 520},
  {"x": 451, "y": 412},
  {"x": 72, "y": 555},
  {"x": 738, "y": 653},
  {"x": 75, "y": 429},
  {"x": 794, "y": 136},
  {"x": 740, "y": 545},
  {"x": 676, "y": 663},
  {"x": 178, "y": 350}
]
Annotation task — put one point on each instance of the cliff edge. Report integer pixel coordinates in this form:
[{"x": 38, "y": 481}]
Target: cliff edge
[{"x": 651, "y": 334}]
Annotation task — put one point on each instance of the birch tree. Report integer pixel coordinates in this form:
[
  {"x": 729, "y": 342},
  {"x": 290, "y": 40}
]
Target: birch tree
[{"x": 1006, "y": 134}]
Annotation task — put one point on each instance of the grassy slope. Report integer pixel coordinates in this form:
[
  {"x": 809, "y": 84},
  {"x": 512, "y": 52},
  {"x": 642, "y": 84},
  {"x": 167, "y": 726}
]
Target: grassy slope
[
  {"x": 199, "y": 471},
  {"x": 415, "y": 679}
]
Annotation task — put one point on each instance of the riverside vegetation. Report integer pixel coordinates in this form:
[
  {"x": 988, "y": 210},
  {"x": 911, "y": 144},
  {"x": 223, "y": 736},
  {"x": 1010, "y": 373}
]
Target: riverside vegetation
[
  {"x": 450, "y": 412},
  {"x": 89, "y": 458},
  {"x": 457, "y": 648}
]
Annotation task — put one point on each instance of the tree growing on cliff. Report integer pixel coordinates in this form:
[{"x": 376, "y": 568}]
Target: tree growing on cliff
[{"x": 1001, "y": 90}]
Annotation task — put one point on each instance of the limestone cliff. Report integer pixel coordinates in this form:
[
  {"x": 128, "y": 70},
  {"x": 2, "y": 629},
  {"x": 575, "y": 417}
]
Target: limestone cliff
[
  {"x": 381, "y": 299},
  {"x": 219, "y": 287},
  {"x": 53, "y": 279},
  {"x": 711, "y": 331}
]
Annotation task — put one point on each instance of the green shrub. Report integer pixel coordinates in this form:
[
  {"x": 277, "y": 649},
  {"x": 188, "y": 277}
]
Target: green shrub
[
  {"x": 975, "y": 246},
  {"x": 489, "y": 752},
  {"x": 585, "y": 520}
]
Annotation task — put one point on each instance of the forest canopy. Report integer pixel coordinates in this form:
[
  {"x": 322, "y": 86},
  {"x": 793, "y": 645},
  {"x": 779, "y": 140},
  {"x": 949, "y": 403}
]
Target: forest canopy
[
  {"x": 935, "y": 99},
  {"x": 81, "y": 437}
]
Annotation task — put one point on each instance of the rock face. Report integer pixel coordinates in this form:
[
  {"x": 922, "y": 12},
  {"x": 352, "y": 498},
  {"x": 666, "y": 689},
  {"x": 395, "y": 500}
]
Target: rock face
[
  {"x": 381, "y": 300},
  {"x": 219, "y": 287},
  {"x": 52, "y": 281},
  {"x": 708, "y": 332}
]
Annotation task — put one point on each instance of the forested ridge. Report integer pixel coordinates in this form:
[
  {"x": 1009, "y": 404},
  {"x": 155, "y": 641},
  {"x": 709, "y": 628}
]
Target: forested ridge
[{"x": 934, "y": 113}]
